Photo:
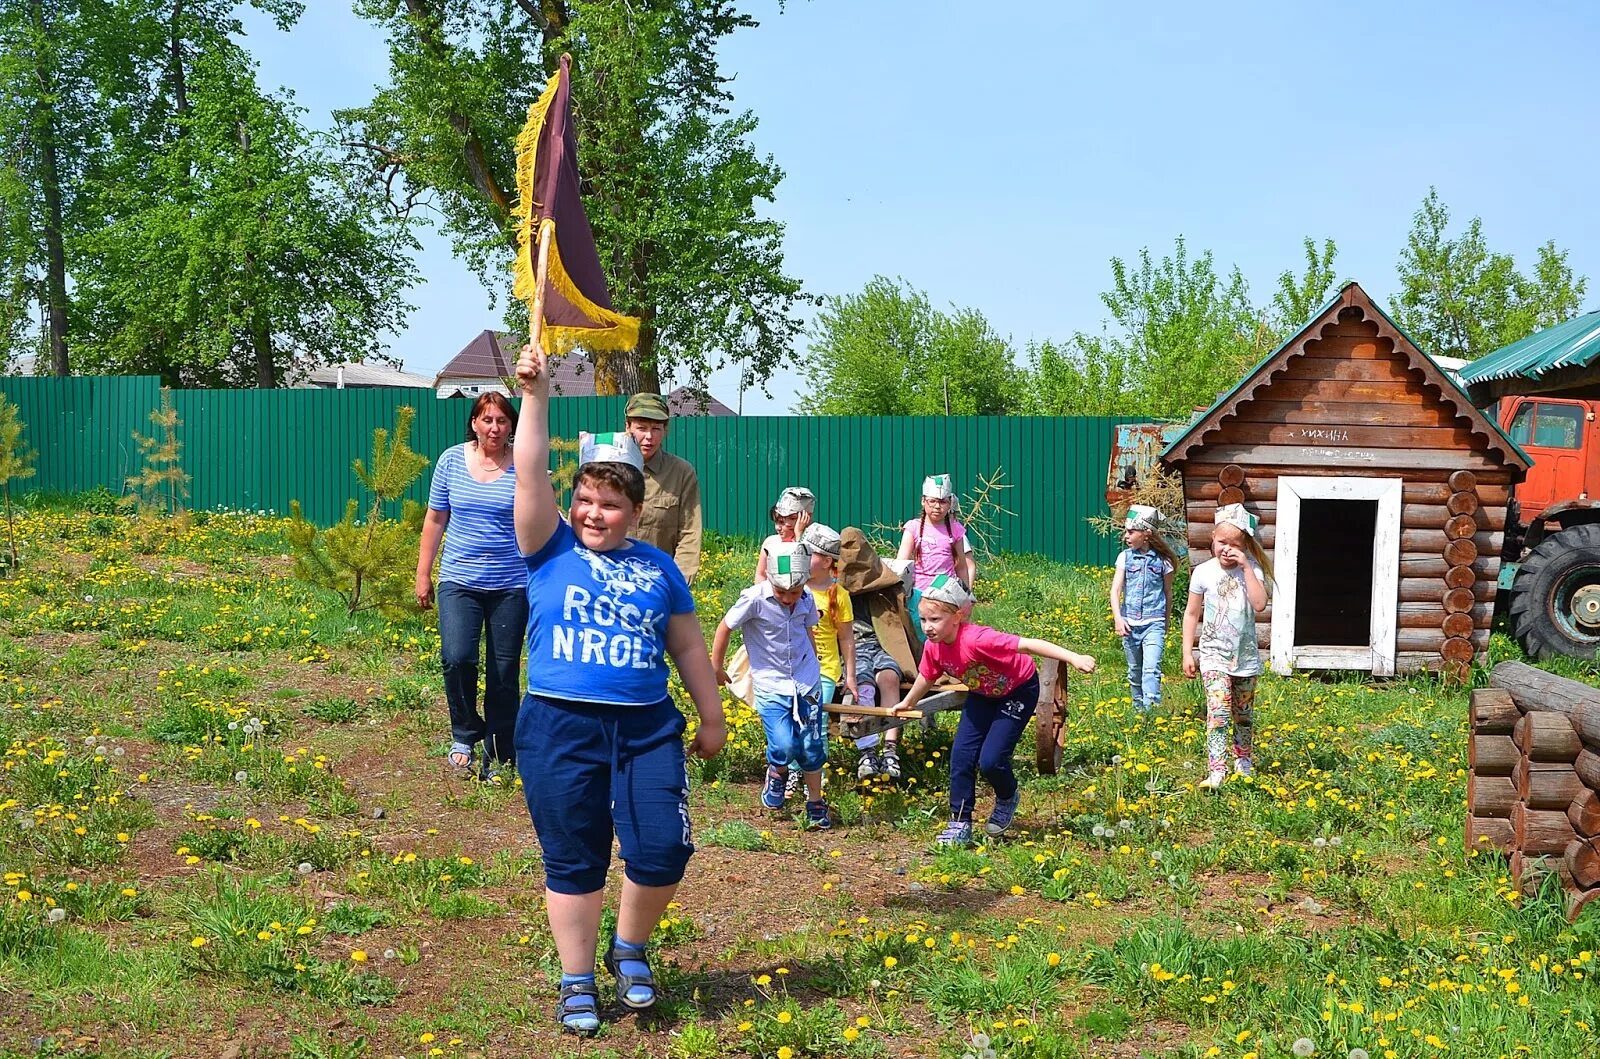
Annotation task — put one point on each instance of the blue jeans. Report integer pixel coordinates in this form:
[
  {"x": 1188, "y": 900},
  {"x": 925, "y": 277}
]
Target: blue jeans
[
  {"x": 985, "y": 740},
  {"x": 802, "y": 740},
  {"x": 1143, "y": 646},
  {"x": 464, "y": 614}
]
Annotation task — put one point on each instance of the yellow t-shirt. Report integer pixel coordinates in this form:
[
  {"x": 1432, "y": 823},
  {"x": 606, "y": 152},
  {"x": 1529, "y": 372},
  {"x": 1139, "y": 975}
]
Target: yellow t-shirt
[{"x": 825, "y": 633}]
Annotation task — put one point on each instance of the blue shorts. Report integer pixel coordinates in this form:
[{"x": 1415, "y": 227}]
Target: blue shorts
[{"x": 590, "y": 771}]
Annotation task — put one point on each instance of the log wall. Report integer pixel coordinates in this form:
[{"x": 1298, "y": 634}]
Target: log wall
[{"x": 1544, "y": 813}]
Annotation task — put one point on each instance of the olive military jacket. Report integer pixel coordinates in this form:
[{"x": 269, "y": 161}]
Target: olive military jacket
[{"x": 671, "y": 517}]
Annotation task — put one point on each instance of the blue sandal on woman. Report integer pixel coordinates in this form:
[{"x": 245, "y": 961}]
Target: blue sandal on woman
[
  {"x": 578, "y": 1009},
  {"x": 636, "y": 983}
]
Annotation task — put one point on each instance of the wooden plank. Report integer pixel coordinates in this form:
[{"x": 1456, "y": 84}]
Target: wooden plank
[
  {"x": 1335, "y": 456},
  {"x": 852, "y": 710},
  {"x": 1382, "y": 437},
  {"x": 1311, "y": 656},
  {"x": 1420, "y": 487},
  {"x": 1383, "y": 370},
  {"x": 1343, "y": 392},
  {"x": 1335, "y": 345},
  {"x": 1334, "y": 413}
]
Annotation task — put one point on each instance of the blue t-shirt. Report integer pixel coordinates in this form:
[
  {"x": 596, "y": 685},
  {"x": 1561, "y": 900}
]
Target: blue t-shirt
[
  {"x": 597, "y": 621},
  {"x": 480, "y": 541}
]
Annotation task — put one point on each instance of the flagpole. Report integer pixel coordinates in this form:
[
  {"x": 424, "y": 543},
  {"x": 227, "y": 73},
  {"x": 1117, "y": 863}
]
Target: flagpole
[{"x": 536, "y": 308}]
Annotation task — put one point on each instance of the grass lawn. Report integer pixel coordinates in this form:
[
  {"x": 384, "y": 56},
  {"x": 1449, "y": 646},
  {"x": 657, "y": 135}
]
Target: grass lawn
[{"x": 226, "y": 829}]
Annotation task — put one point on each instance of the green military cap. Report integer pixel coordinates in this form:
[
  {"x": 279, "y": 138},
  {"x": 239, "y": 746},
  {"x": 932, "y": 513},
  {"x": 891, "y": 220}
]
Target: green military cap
[{"x": 647, "y": 406}]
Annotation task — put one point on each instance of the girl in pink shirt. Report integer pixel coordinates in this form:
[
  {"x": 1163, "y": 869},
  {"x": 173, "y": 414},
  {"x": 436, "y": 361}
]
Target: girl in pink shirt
[
  {"x": 936, "y": 543},
  {"x": 1002, "y": 691}
]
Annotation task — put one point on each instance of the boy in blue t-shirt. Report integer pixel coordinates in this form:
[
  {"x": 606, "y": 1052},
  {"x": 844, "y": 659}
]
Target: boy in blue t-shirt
[{"x": 599, "y": 741}]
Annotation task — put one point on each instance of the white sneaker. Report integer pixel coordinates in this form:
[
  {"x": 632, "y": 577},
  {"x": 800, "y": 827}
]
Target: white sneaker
[
  {"x": 1214, "y": 780},
  {"x": 1243, "y": 767}
]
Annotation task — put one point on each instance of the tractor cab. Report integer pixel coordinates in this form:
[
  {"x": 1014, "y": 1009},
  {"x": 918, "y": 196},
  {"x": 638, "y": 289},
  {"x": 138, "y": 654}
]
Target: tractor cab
[{"x": 1548, "y": 389}]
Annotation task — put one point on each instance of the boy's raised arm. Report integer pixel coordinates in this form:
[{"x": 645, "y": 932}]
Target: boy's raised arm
[{"x": 534, "y": 509}]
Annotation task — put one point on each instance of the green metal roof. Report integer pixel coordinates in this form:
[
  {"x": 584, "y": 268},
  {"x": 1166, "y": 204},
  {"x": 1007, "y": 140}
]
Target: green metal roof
[
  {"x": 1450, "y": 379},
  {"x": 1574, "y": 344}
]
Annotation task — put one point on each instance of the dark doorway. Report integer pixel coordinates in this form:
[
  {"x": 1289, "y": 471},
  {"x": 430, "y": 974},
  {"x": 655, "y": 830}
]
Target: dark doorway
[{"x": 1333, "y": 589}]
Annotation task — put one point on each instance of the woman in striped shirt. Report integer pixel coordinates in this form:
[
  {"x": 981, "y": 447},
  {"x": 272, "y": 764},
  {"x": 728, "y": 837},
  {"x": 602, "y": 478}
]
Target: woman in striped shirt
[{"x": 482, "y": 585}]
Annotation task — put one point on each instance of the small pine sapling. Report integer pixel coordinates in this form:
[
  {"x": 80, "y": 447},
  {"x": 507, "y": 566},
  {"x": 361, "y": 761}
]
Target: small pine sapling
[
  {"x": 369, "y": 562},
  {"x": 16, "y": 461},
  {"x": 156, "y": 495}
]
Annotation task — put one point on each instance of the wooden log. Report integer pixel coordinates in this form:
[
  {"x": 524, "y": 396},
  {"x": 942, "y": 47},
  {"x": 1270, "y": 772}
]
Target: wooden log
[
  {"x": 1490, "y": 796},
  {"x": 1494, "y": 712},
  {"x": 1460, "y": 527},
  {"x": 1229, "y": 496},
  {"x": 1492, "y": 755},
  {"x": 1489, "y": 833},
  {"x": 1544, "y": 735},
  {"x": 1250, "y": 428},
  {"x": 1463, "y": 552},
  {"x": 1546, "y": 784},
  {"x": 1231, "y": 476},
  {"x": 1435, "y": 567},
  {"x": 1321, "y": 455},
  {"x": 1587, "y": 767},
  {"x": 1458, "y": 601},
  {"x": 1434, "y": 639},
  {"x": 1535, "y": 690},
  {"x": 1458, "y": 625},
  {"x": 1434, "y": 590},
  {"x": 1577, "y": 901},
  {"x": 1460, "y": 577},
  {"x": 1583, "y": 859},
  {"x": 1584, "y": 812},
  {"x": 1457, "y": 649},
  {"x": 1462, "y": 481},
  {"x": 1200, "y": 484},
  {"x": 1530, "y": 870},
  {"x": 1462, "y": 503},
  {"x": 1540, "y": 831},
  {"x": 1430, "y": 615}
]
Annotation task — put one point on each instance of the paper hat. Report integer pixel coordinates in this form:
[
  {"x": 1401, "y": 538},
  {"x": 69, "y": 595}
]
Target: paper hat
[
  {"x": 795, "y": 499},
  {"x": 947, "y": 589},
  {"x": 1236, "y": 515},
  {"x": 820, "y": 538},
  {"x": 937, "y": 487},
  {"x": 617, "y": 447},
  {"x": 1143, "y": 517},
  {"x": 789, "y": 566}
]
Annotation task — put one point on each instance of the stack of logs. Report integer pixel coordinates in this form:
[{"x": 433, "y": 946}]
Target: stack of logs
[
  {"x": 1533, "y": 791},
  {"x": 1460, "y": 552}
]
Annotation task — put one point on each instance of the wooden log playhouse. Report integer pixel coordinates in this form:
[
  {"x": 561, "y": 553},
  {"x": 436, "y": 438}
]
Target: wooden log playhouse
[
  {"x": 1533, "y": 789},
  {"x": 1382, "y": 494}
]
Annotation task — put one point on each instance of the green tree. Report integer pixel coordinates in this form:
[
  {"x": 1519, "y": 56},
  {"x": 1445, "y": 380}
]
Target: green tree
[
  {"x": 1298, "y": 298},
  {"x": 370, "y": 562},
  {"x": 887, "y": 351},
  {"x": 1182, "y": 332},
  {"x": 241, "y": 251},
  {"x": 1460, "y": 299},
  {"x": 672, "y": 184},
  {"x": 16, "y": 461}
]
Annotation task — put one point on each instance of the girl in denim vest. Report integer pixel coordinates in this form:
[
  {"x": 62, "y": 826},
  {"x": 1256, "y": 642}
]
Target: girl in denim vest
[{"x": 1141, "y": 603}]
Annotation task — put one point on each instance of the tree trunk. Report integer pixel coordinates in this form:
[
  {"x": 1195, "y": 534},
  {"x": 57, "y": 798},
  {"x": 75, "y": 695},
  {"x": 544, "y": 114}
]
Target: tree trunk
[
  {"x": 261, "y": 339},
  {"x": 50, "y": 179},
  {"x": 1534, "y": 689}
]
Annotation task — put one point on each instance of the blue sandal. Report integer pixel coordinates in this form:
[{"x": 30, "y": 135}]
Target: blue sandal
[
  {"x": 630, "y": 982},
  {"x": 578, "y": 1009}
]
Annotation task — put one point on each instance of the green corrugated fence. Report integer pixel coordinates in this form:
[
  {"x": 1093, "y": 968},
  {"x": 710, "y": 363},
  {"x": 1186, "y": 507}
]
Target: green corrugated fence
[{"x": 258, "y": 449}]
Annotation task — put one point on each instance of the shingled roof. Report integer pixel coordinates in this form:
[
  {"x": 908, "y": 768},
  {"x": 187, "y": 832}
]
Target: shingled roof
[{"x": 493, "y": 355}]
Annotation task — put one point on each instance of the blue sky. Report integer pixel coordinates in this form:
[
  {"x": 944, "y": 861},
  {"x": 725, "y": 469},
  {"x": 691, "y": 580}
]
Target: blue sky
[{"x": 997, "y": 156}]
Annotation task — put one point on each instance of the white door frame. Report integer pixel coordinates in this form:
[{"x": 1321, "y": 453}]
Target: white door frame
[{"x": 1378, "y": 655}]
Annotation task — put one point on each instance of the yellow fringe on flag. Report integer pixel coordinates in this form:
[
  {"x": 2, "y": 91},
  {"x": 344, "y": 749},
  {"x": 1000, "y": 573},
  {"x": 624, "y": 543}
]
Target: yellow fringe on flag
[{"x": 614, "y": 332}]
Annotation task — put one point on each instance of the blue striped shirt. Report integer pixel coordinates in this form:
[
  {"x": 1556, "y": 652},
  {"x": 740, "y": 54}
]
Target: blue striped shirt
[{"x": 480, "y": 540}]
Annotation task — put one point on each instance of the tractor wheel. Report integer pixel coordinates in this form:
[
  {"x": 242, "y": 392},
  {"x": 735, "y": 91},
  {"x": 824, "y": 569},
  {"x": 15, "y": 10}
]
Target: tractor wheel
[{"x": 1555, "y": 601}]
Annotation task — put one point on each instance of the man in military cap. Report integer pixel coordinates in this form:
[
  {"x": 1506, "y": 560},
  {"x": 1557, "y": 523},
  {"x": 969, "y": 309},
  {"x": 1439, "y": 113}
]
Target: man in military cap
[{"x": 671, "y": 517}]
